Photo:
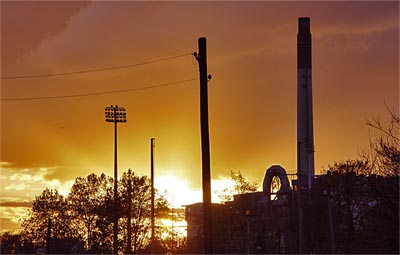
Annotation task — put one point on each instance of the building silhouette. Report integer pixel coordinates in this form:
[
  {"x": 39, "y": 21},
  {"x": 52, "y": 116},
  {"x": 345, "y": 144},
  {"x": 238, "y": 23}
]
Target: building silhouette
[{"x": 245, "y": 224}]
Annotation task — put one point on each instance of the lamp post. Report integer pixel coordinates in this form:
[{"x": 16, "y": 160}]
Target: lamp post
[
  {"x": 328, "y": 194},
  {"x": 248, "y": 212},
  {"x": 152, "y": 145},
  {"x": 115, "y": 114}
]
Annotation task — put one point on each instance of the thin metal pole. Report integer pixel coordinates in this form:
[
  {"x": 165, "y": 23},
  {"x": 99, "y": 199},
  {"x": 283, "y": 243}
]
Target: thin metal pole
[
  {"x": 301, "y": 223},
  {"x": 331, "y": 224},
  {"x": 129, "y": 244},
  {"x": 115, "y": 185},
  {"x": 248, "y": 236},
  {"x": 172, "y": 229},
  {"x": 152, "y": 145},
  {"x": 300, "y": 201},
  {"x": 205, "y": 146},
  {"x": 48, "y": 239}
]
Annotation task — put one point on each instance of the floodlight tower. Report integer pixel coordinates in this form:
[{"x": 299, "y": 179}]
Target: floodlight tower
[{"x": 115, "y": 114}]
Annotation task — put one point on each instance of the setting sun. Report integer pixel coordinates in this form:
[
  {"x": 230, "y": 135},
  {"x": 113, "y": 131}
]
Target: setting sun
[{"x": 177, "y": 191}]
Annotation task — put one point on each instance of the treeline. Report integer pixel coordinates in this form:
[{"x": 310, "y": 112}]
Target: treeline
[
  {"x": 353, "y": 211},
  {"x": 354, "y": 207},
  {"x": 82, "y": 222}
]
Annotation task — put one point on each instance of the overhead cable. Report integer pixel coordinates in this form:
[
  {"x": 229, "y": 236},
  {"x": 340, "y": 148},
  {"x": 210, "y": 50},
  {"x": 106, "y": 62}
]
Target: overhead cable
[
  {"x": 98, "y": 93},
  {"x": 92, "y": 70}
]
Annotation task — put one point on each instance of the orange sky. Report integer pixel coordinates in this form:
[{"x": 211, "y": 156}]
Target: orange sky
[{"x": 252, "y": 95}]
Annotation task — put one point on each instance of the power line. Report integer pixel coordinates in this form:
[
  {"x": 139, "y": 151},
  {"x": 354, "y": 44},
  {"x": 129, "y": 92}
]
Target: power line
[
  {"x": 93, "y": 70},
  {"x": 98, "y": 93}
]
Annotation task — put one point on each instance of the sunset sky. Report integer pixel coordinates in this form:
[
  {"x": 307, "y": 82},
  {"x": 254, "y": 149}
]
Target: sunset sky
[{"x": 252, "y": 93}]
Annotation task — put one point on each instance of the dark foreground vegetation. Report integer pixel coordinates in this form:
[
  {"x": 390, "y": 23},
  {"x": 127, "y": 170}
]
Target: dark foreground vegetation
[
  {"x": 352, "y": 208},
  {"x": 82, "y": 222}
]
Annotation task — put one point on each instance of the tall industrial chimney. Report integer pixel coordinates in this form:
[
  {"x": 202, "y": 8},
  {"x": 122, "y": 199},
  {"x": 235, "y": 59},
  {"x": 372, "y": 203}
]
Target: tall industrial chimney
[{"x": 305, "y": 134}]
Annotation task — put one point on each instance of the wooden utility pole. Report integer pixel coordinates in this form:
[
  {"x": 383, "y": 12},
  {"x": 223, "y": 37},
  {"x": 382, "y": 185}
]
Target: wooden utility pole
[
  {"x": 152, "y": 145},
  {"x": 205, "y": 146}
]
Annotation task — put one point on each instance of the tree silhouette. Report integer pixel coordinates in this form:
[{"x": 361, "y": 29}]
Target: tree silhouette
[
  {"x": 241, "y": 186},
  {"x": 364, "y": 194},
  {"x": 349, "y": 196},
  {"x": 60, "y": 225},
  {"x": 384, "y": 160},
  {"x": 140, "y": 210},
  {"x": 87, "y": 200},
  {"x": 384, "y": 152},
  {"x": 364, "y": 212},
  {"x": 48, "y": 220}
]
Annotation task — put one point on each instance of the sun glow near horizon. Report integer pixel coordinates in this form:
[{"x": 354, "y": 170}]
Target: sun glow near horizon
[{"x": 178, "y": 192}]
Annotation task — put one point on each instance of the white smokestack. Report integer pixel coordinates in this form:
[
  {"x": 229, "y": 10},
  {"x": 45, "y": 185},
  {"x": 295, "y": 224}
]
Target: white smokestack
[{"x": 305, "y": 134}]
